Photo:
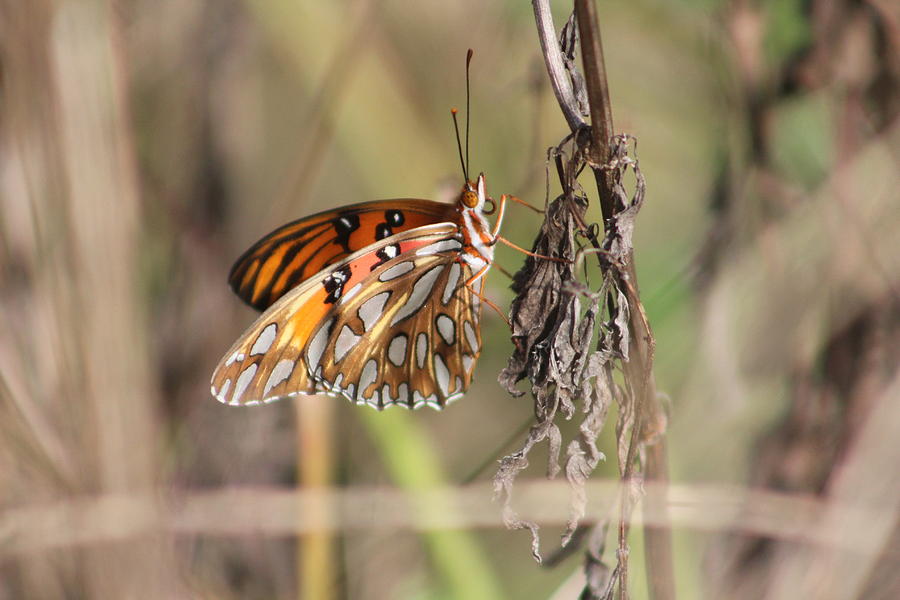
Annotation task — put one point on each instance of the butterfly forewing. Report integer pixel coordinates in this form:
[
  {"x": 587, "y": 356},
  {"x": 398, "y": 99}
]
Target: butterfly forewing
[
  {"x": 295, "y": 252},
  {"x": 392, "y": 324}
]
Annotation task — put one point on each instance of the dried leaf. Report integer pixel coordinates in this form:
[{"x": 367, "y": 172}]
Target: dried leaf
[
  {"x": 598, "y": 575},
  {"x": 568, "y": 42},
  {"x": 560, "y": 349}
]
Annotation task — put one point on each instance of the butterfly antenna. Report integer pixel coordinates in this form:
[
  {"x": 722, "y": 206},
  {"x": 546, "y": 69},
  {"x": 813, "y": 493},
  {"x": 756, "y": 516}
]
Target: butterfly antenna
[
  {"x": 468, "y": 112},
  {"x": 453, "y": 112}
]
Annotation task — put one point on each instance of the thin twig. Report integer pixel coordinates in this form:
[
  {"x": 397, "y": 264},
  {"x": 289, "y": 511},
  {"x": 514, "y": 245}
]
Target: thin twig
[
  {"x": 639, "y": 367},
  {"x": 647, "y": 409},
  {"x": 597, "y": 86},
  {"x": 276, "y": 512},
  {"x": 598, "y": 100},
  {"x": 556, "y": 68}
]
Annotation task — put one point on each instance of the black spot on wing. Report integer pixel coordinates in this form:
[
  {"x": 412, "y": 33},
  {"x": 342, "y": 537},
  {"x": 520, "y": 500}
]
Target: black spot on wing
[
  {"x": 394, "y": 218},
  {"x": 385, "y": 254},
  {"x": 344, "y": 226},
  {"x": 383, "y": 230},
  {"x": 335, "y": 282}
]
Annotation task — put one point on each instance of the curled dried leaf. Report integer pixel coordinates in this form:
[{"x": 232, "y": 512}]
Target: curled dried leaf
[{"x": 567, "y": 337}]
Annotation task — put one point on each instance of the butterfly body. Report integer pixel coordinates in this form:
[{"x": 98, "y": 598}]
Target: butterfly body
[
  {"x": 392, "y": 322},
  {"x": 477, "y": 235}
]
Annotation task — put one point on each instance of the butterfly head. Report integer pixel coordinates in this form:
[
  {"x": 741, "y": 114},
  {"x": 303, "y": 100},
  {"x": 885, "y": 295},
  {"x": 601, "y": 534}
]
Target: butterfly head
[{"x": 474, "y": 195}]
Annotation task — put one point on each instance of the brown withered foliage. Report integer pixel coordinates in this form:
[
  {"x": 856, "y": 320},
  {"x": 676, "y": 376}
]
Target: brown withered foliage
[{"x": 569, "y": 338}]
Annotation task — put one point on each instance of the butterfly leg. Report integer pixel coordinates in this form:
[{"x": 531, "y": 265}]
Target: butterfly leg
[
  {"x": 500, "y": 210},
  {"x": 524, "y": 251},
  {"x": 492, "y": 305},
  {"x": 471, "y": 285},
  {"x": 496, "y": 237},
  {"x": 526, "y": 204},
  {"x": 500, "y": 268}
]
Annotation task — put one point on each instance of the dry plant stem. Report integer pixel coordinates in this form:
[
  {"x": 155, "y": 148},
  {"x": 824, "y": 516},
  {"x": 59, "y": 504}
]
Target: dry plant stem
[
  {"x": 267, "y": 512},
  {"x": 315, "y": 460},
  {"x": 562, "y": 86},
  {"x": 319, "y": 129},
  {"x": 317, "y": 554},
  {"x": 649, "y": 419},
  {"x": 84, "y": 353},
  {"x": 598, "y": 99}
]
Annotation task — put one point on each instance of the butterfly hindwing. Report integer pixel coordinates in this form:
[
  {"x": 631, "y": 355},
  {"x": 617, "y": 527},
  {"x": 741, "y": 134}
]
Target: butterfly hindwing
[
  {"x": 409, "y": 337},
  {"x": 391, "y": 324},
  {"x": 295, "y": 252}
]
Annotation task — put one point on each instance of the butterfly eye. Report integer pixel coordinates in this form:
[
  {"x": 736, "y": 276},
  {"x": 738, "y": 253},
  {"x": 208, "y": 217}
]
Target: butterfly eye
[
  {"x": 493, "y": 206},
  {"x": 469, "y": 199}
]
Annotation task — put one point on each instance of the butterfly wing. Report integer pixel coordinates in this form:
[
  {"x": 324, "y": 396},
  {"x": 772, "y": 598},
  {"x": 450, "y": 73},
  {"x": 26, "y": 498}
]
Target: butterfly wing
[
  {"x": 411, "y": 336},
  {"x": 295, "y": 252},
  {"x": 392, "y": 324}
]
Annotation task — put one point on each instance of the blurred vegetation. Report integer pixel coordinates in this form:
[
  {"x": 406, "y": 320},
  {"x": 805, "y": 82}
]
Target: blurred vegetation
[{"x": 145, "y": 145}]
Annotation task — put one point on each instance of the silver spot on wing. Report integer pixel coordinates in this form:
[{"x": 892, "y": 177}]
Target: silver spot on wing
[
  {"x": 442, "y": 373},
  {"x": 281, "y": 372},
  {"x": 336, "y": 386},
  {"x": 403, "y": 394},
  {"x": 397, "y": 270},
  {"x": 317, "y": 345},
  {"x": 345, "y": 341},
  {"x": 372, "y": 309},
  {"x": 476, "y": 304},
  {"x": 446, "y": 328},
  {"x": 351, "y": 292},
  {"x": 243, "y": 381},
  {"x": 221, "y": 396},
  {"x": 441, "y": 246},
  {"x": 368, "y": 376},
  {"x": 397, "y": 350},
  {"x": 420, "y": 293},
  {"x": 421, "y": 349},
  {"x": 470, "y": 336},
  {"x": 452, "y": 282},
  {"x": 265, "y": 339}
]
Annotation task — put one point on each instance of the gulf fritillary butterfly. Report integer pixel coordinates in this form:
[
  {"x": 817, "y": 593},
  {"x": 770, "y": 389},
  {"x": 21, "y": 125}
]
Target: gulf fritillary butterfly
[{"x": 378, "y": 302}]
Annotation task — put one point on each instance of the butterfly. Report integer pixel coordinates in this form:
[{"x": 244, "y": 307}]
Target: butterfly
[{"x": 379, "y": 302}]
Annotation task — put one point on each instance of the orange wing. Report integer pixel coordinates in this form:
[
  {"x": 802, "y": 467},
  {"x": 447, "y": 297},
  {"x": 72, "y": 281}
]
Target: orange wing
[{"x": 295, "y": 252}]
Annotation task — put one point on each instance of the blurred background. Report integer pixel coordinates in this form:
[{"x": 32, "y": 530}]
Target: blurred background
[{"x": 145, "y": 145}]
